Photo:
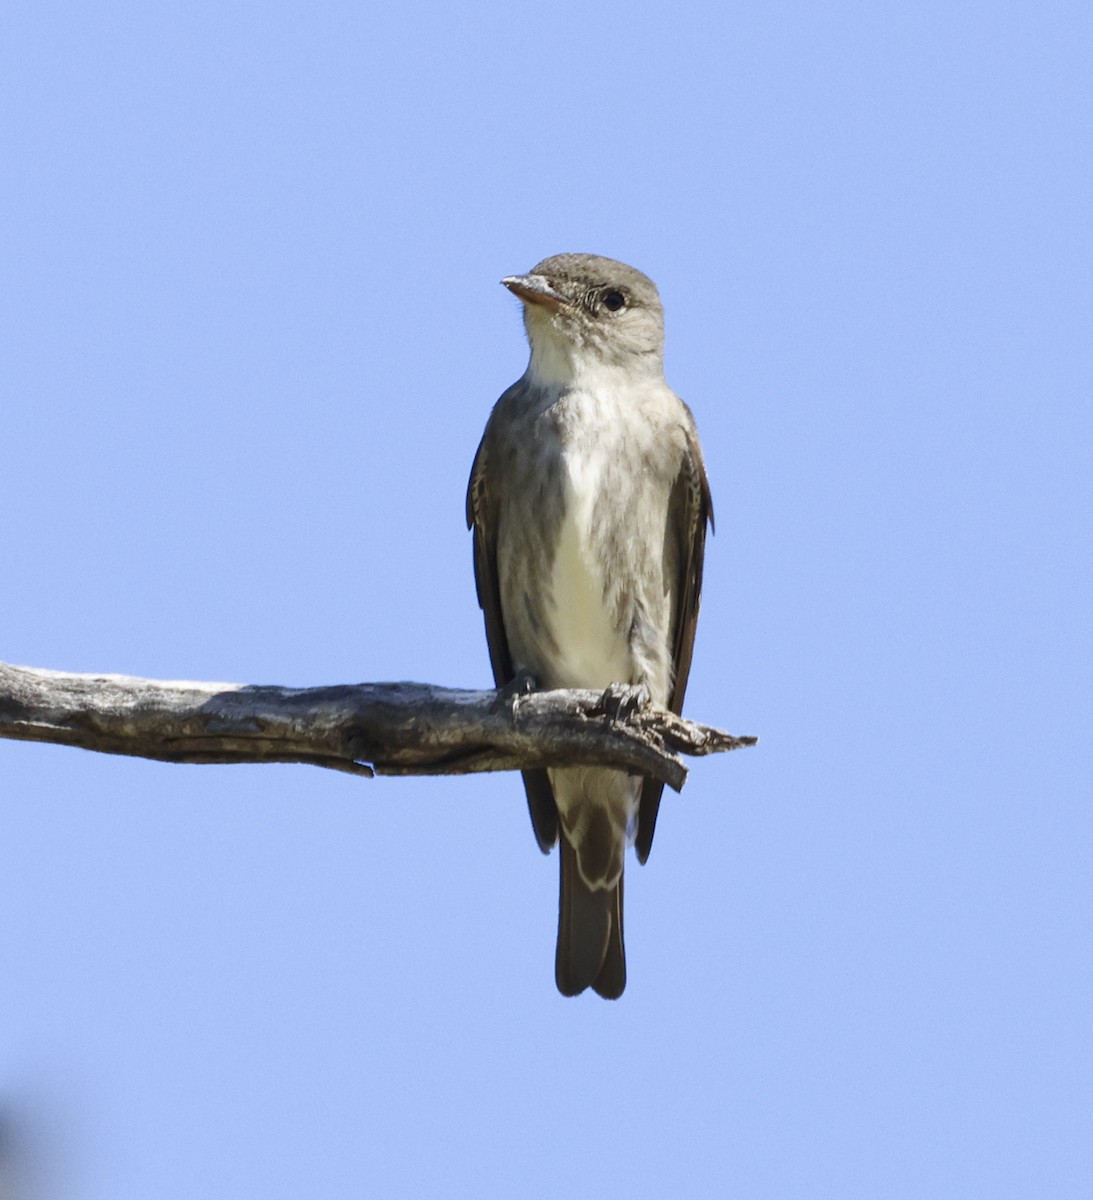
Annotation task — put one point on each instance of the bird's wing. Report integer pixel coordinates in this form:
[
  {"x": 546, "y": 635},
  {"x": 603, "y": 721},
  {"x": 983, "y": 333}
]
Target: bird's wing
[
  {"x": 690, "y": 508},
  {"x": 482, "y": 519}
]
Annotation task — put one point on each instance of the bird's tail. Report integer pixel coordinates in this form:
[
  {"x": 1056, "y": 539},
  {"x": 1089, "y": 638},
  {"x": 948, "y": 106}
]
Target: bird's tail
[{"x": 590, "y": 946}]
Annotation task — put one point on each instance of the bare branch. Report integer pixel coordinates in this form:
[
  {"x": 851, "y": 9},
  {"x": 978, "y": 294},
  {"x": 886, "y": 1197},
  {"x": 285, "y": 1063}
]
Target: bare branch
[{"x": 365, "y": 728}]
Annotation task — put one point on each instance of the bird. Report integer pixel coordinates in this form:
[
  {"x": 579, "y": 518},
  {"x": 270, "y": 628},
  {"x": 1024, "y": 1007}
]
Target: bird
[{"x": 589, "y": 504}]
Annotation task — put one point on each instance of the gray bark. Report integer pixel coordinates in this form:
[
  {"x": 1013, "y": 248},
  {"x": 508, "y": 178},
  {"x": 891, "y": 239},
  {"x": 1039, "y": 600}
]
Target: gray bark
[{"x": 366, "y": 728}]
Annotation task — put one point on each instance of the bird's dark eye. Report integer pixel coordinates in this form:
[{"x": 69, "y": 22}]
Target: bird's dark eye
[{"x": 613, "y": 301}]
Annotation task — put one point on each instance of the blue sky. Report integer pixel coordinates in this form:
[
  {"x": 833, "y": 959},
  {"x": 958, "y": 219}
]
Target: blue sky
[{"x": 251, "y": 333}]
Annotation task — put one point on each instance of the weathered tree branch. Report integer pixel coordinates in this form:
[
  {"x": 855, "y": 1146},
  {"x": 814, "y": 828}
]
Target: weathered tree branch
[{"x": 366, "y": 728}]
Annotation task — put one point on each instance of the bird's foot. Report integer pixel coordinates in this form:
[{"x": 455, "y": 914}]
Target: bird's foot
[
  {"x": 522, "y": 685},
  {"x": 621, "y": 700}
]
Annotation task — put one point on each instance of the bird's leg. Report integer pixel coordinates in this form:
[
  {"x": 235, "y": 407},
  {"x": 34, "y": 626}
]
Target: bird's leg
[
  {"x": 621, "y": 700},
  {"x": 522, "y": 684}
]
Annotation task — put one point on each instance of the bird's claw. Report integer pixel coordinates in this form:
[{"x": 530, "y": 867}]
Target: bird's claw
[
  {"x": 621, "y": 700},
  {"x": 521, "y": 685}
]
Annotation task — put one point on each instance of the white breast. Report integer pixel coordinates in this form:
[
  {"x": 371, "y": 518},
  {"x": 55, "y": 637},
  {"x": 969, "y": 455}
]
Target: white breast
[{"x": 592, "y": 652}]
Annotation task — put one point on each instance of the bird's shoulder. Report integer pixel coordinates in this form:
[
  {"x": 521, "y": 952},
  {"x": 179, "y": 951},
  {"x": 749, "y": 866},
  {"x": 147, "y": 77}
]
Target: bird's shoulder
[{"x": 522, "y": 417}]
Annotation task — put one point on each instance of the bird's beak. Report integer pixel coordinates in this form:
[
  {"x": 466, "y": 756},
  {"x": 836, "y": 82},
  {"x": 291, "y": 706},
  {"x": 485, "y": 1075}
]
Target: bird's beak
[{"x": 535, "y": 289}]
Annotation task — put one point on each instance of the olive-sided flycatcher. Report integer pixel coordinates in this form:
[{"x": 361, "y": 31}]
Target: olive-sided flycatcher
[{"x": 589, "y": 503}]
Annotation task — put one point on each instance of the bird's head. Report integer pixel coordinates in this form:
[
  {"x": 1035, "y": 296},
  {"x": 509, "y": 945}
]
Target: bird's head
[{"x": 586, "y": 314}]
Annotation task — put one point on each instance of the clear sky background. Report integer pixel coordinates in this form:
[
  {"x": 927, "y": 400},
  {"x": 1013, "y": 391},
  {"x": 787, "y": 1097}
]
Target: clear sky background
[{"x": 251, "y": 331}]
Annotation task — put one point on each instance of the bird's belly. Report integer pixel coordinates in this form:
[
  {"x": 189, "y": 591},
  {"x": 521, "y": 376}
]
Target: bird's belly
[{"x": 592, "y": 649}]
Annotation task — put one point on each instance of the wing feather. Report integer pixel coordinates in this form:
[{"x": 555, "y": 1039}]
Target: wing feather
[
  {"x": 689, "y": 509},
  {"x": 482, "y": 519}
]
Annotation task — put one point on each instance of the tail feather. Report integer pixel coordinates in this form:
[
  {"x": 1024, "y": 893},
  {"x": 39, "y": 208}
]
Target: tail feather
[
  {"x": 611, "y": 981},
  {"x": 590, "y": 945}
]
